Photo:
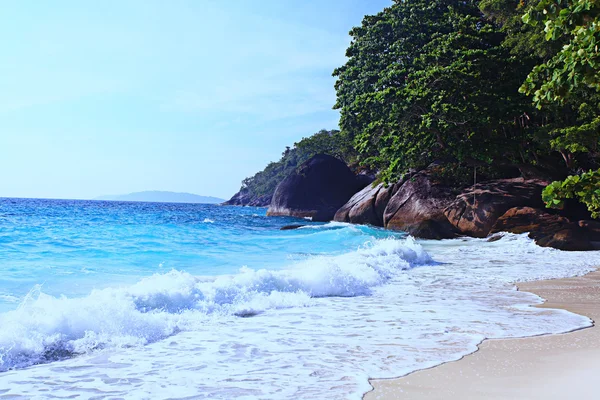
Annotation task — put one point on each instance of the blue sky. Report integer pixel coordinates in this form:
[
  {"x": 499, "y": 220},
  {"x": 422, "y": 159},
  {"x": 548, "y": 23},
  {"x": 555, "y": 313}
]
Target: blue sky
[{"x": 114, "y": 97}]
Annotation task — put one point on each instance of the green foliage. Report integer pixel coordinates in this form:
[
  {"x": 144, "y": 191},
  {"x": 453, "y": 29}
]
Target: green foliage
[
  {"x": 570, "y": 78},
  {"x": 579, "y": 138},
  {"x": 458, "y": 175},
  {"x": 263, "y": 183},
  {"x": 568, "y": 127},
  {"x": 429, "y": 80},
  {"x": 584, "y": 187},
  {"x": 577, "y": 64},
  {"x": 453, "y": 174},
  {"x": 523, "y": 40}
]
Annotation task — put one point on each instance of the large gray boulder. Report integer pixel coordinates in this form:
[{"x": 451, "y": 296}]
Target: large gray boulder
[{"x": 317, "y": 189}]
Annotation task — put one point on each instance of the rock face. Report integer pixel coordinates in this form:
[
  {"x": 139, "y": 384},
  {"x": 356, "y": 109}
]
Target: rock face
[
  {"x": 475, "y": 211},
  {"x": 318, "y": 189},
  {"x": 417, "y": 207},
  {"x": 245, "y": 198},
  {"x": 366, "y": 206},
  {"x": 550, "y": 230}
]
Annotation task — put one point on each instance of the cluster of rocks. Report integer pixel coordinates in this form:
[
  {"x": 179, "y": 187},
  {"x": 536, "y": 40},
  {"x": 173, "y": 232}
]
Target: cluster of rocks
[{"x": 422, "y": 204}]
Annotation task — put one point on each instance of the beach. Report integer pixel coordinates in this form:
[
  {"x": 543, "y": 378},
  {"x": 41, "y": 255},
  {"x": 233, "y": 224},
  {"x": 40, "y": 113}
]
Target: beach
[{"x": 542, "y": 367}]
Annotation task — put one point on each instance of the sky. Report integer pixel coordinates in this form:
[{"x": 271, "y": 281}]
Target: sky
[{"x": 112, "y": 97}]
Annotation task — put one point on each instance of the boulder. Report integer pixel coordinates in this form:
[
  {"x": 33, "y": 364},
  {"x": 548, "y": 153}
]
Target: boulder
[
  {"x": 476, "y": 210},
  {"x": 566, "y": 239},
  {"x": 291, "y": 227},
  {"x": 593, "y": 227},
  {"x": 366, "y": 206},
  {"x": 549, "y": 230},
  {"x": 417, "y": 207},
  {"x": 383, "y": 198},
  {"x": 319, "y": 187},
  {"x": 361, "y": 207},
  {"x": 528, "y": 219}
]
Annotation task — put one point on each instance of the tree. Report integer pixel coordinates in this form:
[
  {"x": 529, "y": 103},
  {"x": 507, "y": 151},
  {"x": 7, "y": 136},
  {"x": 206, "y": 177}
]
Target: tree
[
  {"x": 577, "y": 64},
  {"x": 570, "y": 77},
  {"x": 584, "y": 187},
  {"x": 430, "y": 79}
]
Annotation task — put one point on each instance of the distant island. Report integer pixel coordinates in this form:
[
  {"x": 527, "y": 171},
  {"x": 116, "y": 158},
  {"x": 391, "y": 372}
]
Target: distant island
[{"x": 156, "y": 196}]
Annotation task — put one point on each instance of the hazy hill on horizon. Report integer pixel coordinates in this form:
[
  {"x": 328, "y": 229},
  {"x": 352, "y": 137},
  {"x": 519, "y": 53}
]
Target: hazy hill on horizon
[{"x": 158, "y": 196}]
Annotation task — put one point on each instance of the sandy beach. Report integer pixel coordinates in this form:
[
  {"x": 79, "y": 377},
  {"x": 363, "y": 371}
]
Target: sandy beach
[{"x": 543, "y": 367}]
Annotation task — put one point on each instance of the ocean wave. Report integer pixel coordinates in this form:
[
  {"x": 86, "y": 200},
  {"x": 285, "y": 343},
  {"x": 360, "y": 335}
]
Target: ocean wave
[
  {"x": 46, "y": 328},
  {"x": 333, "y": 225}
]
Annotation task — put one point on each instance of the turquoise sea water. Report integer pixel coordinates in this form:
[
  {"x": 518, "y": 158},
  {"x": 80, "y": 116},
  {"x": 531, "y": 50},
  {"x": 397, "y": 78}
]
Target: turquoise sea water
[
  {"x": 147, "y": 300},
  {"x": 72, "y": 247}
]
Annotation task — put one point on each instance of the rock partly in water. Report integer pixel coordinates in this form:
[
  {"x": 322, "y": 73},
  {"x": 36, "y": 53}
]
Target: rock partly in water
[
  {"x": 528, "y": 219},
  {"x": 565, "y": 239},
  {"x": 476, "y": 210},
  {"x": 317, "y": 189},
  {"x": 549, "y": 230},
  {"x": 361, "y": 206},
  {"x": 245, "y": 198},
  {"x": 366, "y": 206},
  {"x": 291, "y": 227},
  {"x": 417, "y": 207},
  {"x": 495, "y": 237}
]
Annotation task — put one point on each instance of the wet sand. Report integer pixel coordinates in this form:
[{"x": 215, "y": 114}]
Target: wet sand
[{"x": 562, "y": 366}]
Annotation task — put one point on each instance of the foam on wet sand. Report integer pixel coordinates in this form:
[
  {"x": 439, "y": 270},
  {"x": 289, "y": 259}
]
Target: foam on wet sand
[{"x": 564, "y": 366}]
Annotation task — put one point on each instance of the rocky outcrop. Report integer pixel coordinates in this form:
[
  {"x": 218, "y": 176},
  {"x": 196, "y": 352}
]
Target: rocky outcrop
[
  {"x": 317, "y": 189},
  {"x": 418, "y": 205},
  {"x": 245, "y": 198},
  {"x": 476, "y": 210},
  {"x": 367, "y": 206},
  {"x": 361, "y": 205},
  {"x": 550, "y": 230},
  {"x": 424, "y": 206}
]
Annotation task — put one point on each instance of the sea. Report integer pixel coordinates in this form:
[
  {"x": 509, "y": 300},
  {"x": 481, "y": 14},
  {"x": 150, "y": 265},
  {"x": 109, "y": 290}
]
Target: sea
[{"x": 124, "y": 300}]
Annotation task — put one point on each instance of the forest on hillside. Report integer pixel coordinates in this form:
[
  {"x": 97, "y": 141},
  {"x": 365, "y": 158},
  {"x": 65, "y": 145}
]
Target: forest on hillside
[{"x": 502, "y": 86}]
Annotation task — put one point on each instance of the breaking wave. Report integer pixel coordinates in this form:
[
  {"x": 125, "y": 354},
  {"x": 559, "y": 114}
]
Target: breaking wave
[{"x": 46, "y": 328}]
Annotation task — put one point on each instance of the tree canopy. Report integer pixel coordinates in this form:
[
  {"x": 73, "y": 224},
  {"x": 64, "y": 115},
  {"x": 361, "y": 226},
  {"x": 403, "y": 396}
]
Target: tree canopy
[
  {"x": 431, "y": 79},
  {"x": 570, "y": 76},
  {"x": 577, "y": 63},
  {"x": 491, "y": 83}
]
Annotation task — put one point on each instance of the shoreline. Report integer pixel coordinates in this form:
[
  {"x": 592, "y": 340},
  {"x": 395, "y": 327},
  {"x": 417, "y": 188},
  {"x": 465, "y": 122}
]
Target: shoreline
[{"x": 552, "y": 366}]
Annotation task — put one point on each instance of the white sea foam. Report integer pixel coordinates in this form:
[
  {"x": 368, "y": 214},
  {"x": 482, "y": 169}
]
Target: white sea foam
[
  {"x": 45, "y": 327},
  {"x": 333, "y": 225},
  {"x": 323, "y": 325},
  {"x": 208, "y": 221}
]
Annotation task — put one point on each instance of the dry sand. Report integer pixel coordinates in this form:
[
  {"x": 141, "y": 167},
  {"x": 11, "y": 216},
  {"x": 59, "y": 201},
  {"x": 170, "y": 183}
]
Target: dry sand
[{"x": 544, "y": 367}]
